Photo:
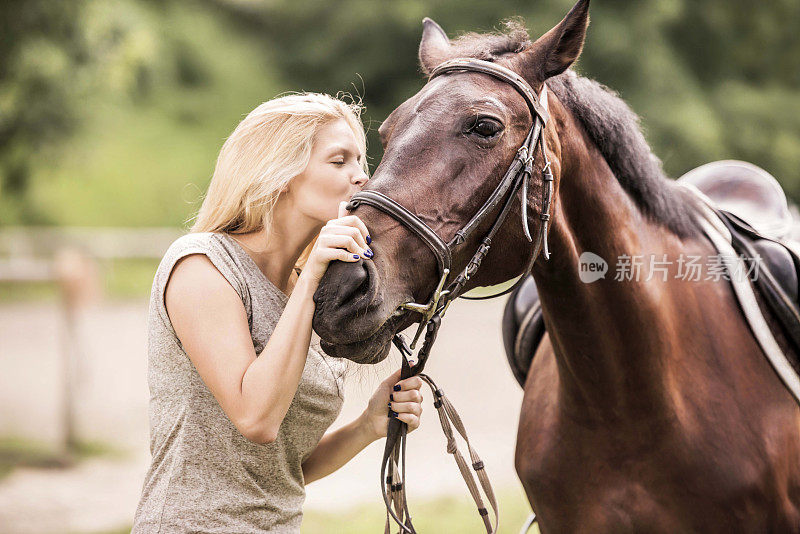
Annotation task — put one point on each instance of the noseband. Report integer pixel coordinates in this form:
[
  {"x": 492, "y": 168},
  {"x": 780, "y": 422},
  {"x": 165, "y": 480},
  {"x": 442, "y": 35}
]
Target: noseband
[{"x": 517, "y": 175}]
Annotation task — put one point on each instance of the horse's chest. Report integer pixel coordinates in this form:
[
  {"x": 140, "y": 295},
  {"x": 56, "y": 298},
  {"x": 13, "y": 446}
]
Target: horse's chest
[
  {"x": 646, "y": 478},
  {"x": 587, "y": 487}
]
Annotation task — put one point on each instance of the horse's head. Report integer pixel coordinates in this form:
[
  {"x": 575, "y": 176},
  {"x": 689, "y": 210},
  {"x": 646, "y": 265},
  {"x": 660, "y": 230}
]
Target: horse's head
[{"x": 445, "y": 150}]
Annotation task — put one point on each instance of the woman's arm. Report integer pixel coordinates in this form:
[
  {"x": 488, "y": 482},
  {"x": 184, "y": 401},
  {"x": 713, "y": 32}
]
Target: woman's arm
[
  {"x": 338, "y": 447},
  {"x": 208, "y": 316}
]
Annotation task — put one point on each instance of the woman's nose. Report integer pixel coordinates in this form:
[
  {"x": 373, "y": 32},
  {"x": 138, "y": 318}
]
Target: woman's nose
[{"x": 362, "y": 178}]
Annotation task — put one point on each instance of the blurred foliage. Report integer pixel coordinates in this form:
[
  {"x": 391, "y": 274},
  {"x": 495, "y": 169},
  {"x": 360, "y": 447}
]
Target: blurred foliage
[
  {"x": 112, "y": 113},
  {"x": 53, "y": 57},
  {"x": 712, "y": 79},
  {"x": 143, "y": 156}
]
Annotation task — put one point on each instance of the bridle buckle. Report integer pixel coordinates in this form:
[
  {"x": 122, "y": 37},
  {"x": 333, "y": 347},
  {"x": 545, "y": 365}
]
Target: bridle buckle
[{"x": 427, "y": 310}]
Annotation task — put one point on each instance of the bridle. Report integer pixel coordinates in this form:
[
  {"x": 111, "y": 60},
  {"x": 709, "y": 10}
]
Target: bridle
[{"x": 517, "y": 176}]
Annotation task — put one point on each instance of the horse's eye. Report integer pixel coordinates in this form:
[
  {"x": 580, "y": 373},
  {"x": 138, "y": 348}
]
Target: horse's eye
[{"x": 486, "y": 127}]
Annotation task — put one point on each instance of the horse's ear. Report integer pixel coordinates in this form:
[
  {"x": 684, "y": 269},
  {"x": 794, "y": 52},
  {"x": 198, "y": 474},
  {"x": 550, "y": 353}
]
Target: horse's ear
[
  {"x": 434, "y": 46},
  {"x": 555, "y": 51}
]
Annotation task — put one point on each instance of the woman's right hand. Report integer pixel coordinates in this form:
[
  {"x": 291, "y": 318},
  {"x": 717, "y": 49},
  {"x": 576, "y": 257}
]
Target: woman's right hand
[{"x": 343, "y": 238}]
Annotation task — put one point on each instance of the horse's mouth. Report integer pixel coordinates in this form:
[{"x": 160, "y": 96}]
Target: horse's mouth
[{"x": 376, "y": 347}]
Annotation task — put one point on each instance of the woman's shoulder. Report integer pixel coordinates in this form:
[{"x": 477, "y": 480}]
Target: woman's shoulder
[
  {"x": 192, "y": 240},
  {"x": 197, "y": 275},
  {"x": 211, "y": 246}
]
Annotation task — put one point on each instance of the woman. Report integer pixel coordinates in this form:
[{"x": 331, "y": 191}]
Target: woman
[{"x": 241, "y": 394}]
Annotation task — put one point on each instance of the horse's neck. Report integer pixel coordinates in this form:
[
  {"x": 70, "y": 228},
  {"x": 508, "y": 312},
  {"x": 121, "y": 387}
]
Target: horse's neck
[{"x": 608, "y": 336}]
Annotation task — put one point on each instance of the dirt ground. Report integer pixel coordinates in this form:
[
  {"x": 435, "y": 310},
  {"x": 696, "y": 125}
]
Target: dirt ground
[{"x": 101, "y": 493}]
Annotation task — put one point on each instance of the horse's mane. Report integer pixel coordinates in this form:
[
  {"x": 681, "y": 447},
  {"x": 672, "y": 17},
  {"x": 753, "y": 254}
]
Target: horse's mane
[
  {"x": 611, "y": 125},
  {"x": 614, "y": 128}
]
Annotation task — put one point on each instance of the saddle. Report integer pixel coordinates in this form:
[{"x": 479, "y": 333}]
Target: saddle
[{"x": 753, "y": 207}]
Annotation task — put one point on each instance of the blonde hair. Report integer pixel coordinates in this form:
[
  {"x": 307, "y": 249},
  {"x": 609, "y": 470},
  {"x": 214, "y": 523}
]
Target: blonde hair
[{"x": 267, "y": 149}]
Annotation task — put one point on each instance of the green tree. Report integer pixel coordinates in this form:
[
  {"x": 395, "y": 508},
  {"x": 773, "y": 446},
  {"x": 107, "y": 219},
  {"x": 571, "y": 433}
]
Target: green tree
[
  {"x": 53, "y": 56},
  {"x": 711, "y": 79}
]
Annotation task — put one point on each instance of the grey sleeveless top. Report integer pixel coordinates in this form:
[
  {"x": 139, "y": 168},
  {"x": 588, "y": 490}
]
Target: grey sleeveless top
[{"x": 205, "y": 476}]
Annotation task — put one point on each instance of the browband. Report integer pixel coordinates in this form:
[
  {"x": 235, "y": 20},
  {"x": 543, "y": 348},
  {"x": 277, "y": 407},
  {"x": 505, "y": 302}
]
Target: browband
[{"x": 537, "y": 105}]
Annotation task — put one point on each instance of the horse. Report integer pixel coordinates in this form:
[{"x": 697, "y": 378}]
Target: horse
[{"x": 649, "y": 405}]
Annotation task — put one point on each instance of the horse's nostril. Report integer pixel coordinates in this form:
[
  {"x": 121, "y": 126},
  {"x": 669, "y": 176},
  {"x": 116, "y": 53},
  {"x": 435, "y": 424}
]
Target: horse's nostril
[
  {"x": 353, "y": 282},
  {"x": 342, "y": 286}
]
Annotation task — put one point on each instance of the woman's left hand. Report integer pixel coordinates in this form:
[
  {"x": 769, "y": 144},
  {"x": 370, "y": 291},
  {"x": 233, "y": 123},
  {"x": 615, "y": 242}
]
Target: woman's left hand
[{"x": 403, "y": 397}]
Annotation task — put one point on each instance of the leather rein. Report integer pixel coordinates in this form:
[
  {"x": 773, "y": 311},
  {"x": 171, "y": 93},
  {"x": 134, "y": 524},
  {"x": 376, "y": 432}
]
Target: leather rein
[{"x": 517, "y": 176}]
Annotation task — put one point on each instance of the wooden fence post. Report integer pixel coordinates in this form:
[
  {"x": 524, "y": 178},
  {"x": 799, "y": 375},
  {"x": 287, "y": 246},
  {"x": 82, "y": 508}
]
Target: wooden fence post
[{"x": 77, "y": 276}]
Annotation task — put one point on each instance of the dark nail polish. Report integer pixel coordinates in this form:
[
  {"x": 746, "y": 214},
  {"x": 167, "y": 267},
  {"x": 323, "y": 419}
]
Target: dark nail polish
[
  {"x": 356, "y": 256},
  {"x": 389, "y": 404},
  {"x": 368, "y": 253},
  {"x": 392, "y": 414},
  {"x": 397, "y": 387},
  {"x": 369, "y": 240},
  {"x": 391, "y": 396}
]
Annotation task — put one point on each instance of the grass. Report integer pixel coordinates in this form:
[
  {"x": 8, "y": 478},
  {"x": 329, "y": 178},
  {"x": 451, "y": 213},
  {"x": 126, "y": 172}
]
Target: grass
[
  {"x": 20, "y": 452},
  {"x": 443, "y": 514},
  {"x": 29, "y": 291},
  {"x": 17, "y": 452},
  {"x": 129, "y": 278},
  {"x": 124, "y": 278}
]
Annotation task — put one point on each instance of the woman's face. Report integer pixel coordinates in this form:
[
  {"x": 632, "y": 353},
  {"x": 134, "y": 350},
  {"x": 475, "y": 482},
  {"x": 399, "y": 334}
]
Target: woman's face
[{"x": 334, "y": 173}]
